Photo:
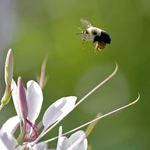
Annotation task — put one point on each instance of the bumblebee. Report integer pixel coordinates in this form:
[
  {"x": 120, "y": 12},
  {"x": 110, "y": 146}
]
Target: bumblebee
[{"x": 94, "y": 34}]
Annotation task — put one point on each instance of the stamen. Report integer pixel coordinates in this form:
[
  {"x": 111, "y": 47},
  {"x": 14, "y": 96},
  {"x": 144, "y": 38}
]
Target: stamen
[
  {"x": 98, "y": 86},
  {"x": 103, "y": 116},
  {"x": 94, "y": 119},
  {"x": 34, "y": 134}
]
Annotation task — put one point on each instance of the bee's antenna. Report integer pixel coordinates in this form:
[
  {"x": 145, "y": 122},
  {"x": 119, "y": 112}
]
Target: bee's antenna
[{"x": 80, "y": 29}]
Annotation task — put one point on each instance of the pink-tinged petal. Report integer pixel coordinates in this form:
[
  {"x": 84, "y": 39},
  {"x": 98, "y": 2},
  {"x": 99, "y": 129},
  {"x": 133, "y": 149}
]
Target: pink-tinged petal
[
  {"x": 10, "y": 125},
  {"x": 15, "y": 97},
  {"x": 58, "y": 110},
  {"x": 22, "y": 99},
  {"x": 39, "y": 146},
  {"x": 8, "y": 142},
  {"x": 34, "y": 100}
]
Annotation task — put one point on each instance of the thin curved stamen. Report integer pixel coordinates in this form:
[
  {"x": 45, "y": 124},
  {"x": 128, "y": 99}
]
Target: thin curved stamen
[
  {"x": 34, "y": 135},
  {"x": 103, "y": 115},
  {"x": 98, "y": 86}
]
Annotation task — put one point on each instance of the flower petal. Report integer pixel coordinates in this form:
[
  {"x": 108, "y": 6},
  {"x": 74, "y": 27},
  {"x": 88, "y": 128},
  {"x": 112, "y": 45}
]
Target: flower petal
[
  {"x": 63, "y": 141},
  {"x": 22, "y": 98},
  {"x": 34, "y": 100},
  {"x": 58, "y": 110},
  {"x": 19, "y": 98},
  {"x": 39, "y": 146},
  {"x": 15, "y": 97},
  {"x": 77, "y": 141},
  {"x": 82, "y": 145},
  {"x": 10, "y": 125},
  {"x": 8, "y": 142}
]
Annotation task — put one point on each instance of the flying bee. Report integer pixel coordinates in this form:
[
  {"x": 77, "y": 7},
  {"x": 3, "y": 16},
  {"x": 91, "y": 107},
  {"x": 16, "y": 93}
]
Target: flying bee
[{"x": 94, "y": 34}]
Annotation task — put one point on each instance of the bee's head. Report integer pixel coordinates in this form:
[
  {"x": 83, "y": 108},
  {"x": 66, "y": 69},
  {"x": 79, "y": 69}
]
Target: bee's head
[{"x": 85, "y": 32}]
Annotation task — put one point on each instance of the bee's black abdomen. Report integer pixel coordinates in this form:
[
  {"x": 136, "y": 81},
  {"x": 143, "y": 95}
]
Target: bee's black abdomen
[{"x": 103, "y": 37}]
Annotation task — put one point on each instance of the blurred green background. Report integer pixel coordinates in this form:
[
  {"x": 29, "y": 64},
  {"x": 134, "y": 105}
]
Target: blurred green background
[{"x": 36, "y": 28}]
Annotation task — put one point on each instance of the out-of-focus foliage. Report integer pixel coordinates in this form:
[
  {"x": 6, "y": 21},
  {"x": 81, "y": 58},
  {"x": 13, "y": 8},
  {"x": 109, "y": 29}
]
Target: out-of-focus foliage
[{"x": 50, "y": 27}]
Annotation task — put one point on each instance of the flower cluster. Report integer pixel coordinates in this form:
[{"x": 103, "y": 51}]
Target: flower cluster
[{"x": 28, "y": 102}]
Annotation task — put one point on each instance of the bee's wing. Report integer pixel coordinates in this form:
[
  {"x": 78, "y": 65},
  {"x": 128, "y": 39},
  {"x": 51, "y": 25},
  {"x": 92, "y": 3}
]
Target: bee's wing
[
  {"x": 85, "y": 22},
  {"x": 86, "y": 37}
]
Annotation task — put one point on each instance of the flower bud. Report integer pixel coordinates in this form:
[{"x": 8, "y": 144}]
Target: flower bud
[
  {"x": 9, "y": 67},
  {"x": 8, "y": 78}
]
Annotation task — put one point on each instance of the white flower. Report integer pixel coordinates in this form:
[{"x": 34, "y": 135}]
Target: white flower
[{"x": 28, "y": 103}]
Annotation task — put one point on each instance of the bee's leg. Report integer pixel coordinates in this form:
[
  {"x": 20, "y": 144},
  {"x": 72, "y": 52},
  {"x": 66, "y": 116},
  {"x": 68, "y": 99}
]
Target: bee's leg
[
  {"x": 83, "y": 44},
  {"x": 95, "y": 49}
]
